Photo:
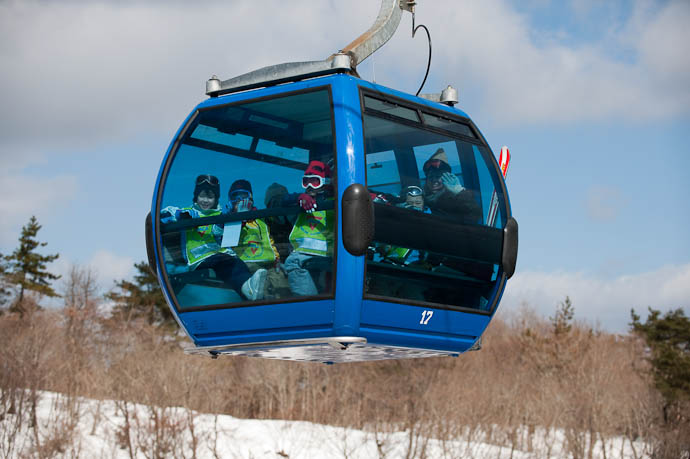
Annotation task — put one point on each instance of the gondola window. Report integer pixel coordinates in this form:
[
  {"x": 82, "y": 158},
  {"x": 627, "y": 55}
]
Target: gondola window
[
  {"x": 232, "y": 228},
  {"x": 436, "y": 196}
]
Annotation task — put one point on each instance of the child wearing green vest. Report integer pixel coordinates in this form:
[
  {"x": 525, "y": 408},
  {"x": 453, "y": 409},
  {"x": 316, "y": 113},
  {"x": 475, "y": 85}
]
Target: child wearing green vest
[
  {"x": 256, "y": 246},
  {"x": 313, "y": 232},
  {"x": 414, "y": 200},
  {"x": 201, "y": 245},
  {"x": 401, "y": 256}
]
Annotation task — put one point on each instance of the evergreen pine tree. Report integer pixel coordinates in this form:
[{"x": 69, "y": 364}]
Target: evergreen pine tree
[
  {"x": 4, "y": 285},
  {"x": 563, "y": 320},
  {"x": 668, "y": 338},
  {"x": 141, "y": 298},
  {"x": 26, "y": 269}
]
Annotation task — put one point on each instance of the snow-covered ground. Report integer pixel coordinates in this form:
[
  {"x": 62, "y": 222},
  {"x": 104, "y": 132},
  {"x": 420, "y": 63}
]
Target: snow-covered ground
[{"x": 109, "y": 429}]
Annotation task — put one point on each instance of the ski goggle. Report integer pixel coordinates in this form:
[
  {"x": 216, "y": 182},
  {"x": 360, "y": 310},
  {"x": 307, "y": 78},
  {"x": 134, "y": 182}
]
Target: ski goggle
[
  {"x": 434, "y": 175},
  {"x": 314, "y": 181},
  {"x": 210, "y": 179},
  {"x": 436, "y": 165},
  {"x": 414, "y": 191},
  {"x": 238, "y": 195}
]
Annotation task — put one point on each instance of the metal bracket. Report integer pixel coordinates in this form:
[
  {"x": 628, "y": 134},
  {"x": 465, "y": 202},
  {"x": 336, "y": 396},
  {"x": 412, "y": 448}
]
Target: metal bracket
[
  {"x": 280, "y": 73},
  {"x": 345, "y": 61},
  {"x": 384, "y": 27},
  {"x": 448, "y": 96}
]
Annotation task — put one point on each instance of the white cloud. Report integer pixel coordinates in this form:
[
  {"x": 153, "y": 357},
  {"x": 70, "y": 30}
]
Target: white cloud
[
  {"x": 604, "y": 301},
  {"x": 111, "y": 267},
  {"x": 24, "y": 196},
  {"x": 106, "y": 266},
  {"x": 557, "y": 82},
  {"x": 76, "y": 73},
  {"x": 604, "y": 203},
  {"x": 15, "y": 156},
  {"x": 659, "y": 35},
  {"x": 582, "y": 7},
  {"x": 85, "y": 76},
  {"x": 511, "y": 72},
  {"x": 80, "y": 73}
]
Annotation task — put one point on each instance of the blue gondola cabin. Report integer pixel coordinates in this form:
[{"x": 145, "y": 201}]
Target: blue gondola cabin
[{"x": 331, "y": 220}]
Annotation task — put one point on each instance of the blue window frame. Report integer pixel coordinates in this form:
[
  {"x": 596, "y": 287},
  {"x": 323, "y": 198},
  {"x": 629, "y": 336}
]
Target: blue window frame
[
  {"x": 250, "y": 158},
  {"x": 434, "y": 180}
]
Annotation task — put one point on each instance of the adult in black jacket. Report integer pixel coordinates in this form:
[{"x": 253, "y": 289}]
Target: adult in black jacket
[{"x": 444, "y": 194}]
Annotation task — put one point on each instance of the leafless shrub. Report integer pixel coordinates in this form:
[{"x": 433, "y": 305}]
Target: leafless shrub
[
  {"x": 29, "y": 348},
  {"x": 57, "y": 433},
  {"x": 160, "y": 434},
  {"x": 526, "y": 383}
]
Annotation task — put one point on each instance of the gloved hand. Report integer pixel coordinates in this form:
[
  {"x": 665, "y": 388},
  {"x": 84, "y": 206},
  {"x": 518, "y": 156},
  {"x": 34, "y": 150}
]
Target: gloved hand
[
  {"x": 378, "y": 197},
  {"x": 243, "y": 205},
  {"x": 183, "y": 215},
  {"x": 307, "y": 202},
  {"x": 167, "y": 216},
  {"x": 451, "y": 182}
]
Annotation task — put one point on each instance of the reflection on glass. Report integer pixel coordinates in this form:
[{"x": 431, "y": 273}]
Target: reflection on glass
[
  {"x": 390, "y": 108},
  {"x": 234, "y": 220},
  {"x": 436, "y": 191}
]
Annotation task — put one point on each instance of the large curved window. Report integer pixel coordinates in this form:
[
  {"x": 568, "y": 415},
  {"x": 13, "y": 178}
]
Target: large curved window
[
  {"x": 232, "y": 226},
  {"x": 439, "y": 207}
]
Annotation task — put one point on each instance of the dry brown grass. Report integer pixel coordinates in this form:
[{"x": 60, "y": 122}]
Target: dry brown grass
[{"x": 524, "y": 380}]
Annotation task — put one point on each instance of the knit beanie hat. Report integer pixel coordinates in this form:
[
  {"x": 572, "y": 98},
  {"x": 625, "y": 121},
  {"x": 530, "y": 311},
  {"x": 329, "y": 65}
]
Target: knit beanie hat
[
  {"x": 274, "y": 190},
  {"x": 318, "y": 168},
  {"x": 438, "y": 161}
]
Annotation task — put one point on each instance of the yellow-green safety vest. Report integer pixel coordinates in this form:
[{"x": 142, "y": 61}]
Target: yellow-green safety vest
[
  {"x": 396, "y": 254},
  {"x": 255, "y": 243},
  {"x": 313, "y": 233},
  {"x": 200, "y": 242}
]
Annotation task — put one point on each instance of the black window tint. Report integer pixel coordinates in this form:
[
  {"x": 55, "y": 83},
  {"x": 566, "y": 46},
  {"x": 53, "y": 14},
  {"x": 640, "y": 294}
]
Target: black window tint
[
  {"x": 447, "y": 124},
  {"x": 391, "y": 108}
]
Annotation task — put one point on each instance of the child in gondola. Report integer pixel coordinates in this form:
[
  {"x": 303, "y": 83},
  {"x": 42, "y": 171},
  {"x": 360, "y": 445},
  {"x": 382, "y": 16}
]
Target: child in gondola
[
  {"x": 312, "y": 236},
  {"x": 256, "y": 246},
  {"x": 413, "y": 200},
  {"x": 201, "y": 245}
]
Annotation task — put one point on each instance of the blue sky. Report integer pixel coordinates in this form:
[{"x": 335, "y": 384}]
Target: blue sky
[{"x": 593, "y": 99}]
